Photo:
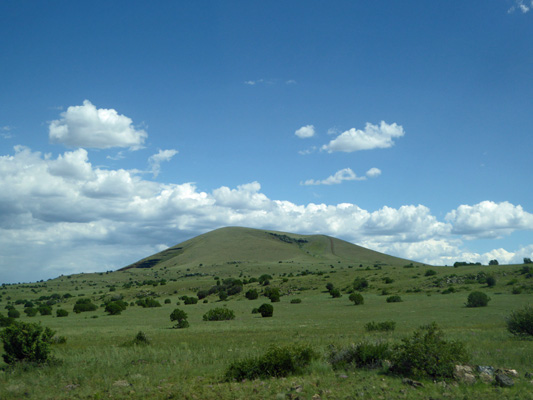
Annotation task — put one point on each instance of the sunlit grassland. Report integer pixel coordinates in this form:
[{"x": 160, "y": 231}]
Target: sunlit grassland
[{"x": 190, "y": 363}]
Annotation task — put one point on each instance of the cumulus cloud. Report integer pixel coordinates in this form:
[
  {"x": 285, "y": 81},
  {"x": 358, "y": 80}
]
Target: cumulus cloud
[
  {"x": 305, "y": 132},
  {"x": 56, "y": 213},
  {"x": 156, "y": 160},
  {"x": 372, "y": 137},
  {"x": 5, "y": 132},
  {"x": 345, "y": 174},
  {"x": 89, "y": 127},
  {"x": 373, "y": 172},
  {"x": 523, "y": 6},
  {"x": 489, "y": 219}
]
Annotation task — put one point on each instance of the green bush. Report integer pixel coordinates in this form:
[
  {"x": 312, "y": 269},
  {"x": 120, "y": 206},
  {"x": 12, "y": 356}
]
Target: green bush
[
  {"x": 148, "y": 302},
  {"x": 180, "y": 317},
  {"x": 360, "y": 284},
  {"x": 385, "y": 326},
  {"x": 357, "y": 299},
  {"x": 84, "y": 305},
  {"x": 26, "y": 342},
  {"x": 219, "y": 314},
  {"x": 426, "y": 353},
  {"x": 296, "y": 301},
  {"x": 13, "y": 313},
  {"x": 394, "y": 299},
  {"x": 491, "y": 281},
  {"x": 187, "y": 300},
  {"x": 252, "y": 294},
  {"x": 5, "y": 321},
  {"x": 61, "y": 312},
  {"x": 30, "y": 311},
  {"x": 276, "y": 362},
  {"x": 45, "y": 310},
  {"x": 361, "y": 355},
  {"x": 115, "y": 307},
  {"x": 266, "y": 310},
  {"x": 520, "y": 322},
  {"x": 430, "y": 272},
  {"x": 141, "y": 339},
  {"x": 477, "y": 299}
]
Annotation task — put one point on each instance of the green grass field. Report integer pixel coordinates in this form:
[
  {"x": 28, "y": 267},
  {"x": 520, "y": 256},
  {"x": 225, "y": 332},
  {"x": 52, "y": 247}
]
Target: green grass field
[{"x": 97, "y": 362}]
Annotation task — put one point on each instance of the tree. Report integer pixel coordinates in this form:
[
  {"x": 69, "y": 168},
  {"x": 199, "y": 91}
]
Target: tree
[
  {"x": 491, "y": 281},
  {"x": 477, "y": 299},
  {"x": 494, "y": 262},
  {"x": 252, "y": 294},
  {"x": 527, "y": 260},
  {"x": 26, "y": 342},
  {"x": 13, "y": 313},
  {"x": 360, "y": 284},
  {"x": 266, "y": 310},
  {"x": 180, "y": 317},
  {"x": 357, "y": 298}
]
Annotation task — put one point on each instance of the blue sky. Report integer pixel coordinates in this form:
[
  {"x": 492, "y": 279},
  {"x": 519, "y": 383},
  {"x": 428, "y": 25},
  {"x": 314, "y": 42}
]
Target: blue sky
[{"x": 127, "y": 127}]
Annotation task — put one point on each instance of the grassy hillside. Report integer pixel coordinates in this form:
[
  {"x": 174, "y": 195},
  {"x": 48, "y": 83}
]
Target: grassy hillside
[{"x": 97, "y": 361}]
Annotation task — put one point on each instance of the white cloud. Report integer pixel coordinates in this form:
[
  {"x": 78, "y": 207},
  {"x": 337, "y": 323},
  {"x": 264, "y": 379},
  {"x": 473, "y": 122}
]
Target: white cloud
[
  {"x": 372, "y": 137},
  {"x": 310, "y": 150},
  {"x": 373, "y": 172},
  {"x": 305, "y": 132},
  {"x": 57, "y": 213},
  {"x": 156, "y": 160},
  {"x": 489, "y": 219},
  {"x": 345, "y": 174},
  {"x": 522, "y": 5},
  {"x": 89, "y": 127},
  {"x": 291, "y": 82},
  {"x": 5, "y": 132}
]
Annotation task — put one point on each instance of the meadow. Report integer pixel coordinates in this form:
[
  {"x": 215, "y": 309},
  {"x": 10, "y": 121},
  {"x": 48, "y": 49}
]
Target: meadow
[{"x": 98, "y": 359}]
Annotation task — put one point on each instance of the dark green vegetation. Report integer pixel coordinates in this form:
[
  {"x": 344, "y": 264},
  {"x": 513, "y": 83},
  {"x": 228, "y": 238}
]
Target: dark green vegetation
[
  {"x": 26, "y": 342},
  {"x": 477, "y": 299},
  {"x": 331, "y": 349},
  {"x": 520, "y": 322}
]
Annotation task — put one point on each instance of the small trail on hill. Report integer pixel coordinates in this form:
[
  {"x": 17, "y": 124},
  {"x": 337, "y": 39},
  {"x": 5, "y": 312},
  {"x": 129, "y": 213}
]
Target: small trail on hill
[{"x": 332, "y": 246}]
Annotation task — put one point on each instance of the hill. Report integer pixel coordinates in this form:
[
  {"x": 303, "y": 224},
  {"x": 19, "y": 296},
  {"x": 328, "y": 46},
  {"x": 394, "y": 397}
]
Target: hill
[{"x": 237, "y": 245}]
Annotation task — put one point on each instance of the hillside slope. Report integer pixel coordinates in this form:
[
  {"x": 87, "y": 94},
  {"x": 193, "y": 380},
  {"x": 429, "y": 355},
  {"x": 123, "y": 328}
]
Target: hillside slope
[{"x": 254, "y": 246}]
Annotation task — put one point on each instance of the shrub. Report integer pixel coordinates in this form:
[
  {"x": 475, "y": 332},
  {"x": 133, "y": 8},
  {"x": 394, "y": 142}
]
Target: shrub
[
  {"x": 388, "y": 280},
  {"x": 13, "y": 313},
  {"x": 141, "y": 339},
  {"x": 252, "y": 294},
  {"x": 61, "y": 313},
  {"x": 189, "y": 300},
  {"x": 520, "y": 322},
  {"x": 255, "y": 311},
  {"x": 516, "y": 290},
  {"x": 148, "y": 302},
  {"x": 84, "y": 305},
  {"x": 266, "y": 310},
  {"x": 394, "y": 299},
  {"x": 180, "y": 317},
  {"x": 491, "y": 281},
  {"x": 26, "y": 342},
  {"x": 360, "y": 284},
  {"x": 168, "y": 301},
  {"x": 357, "y": 299},
  {"x": 449, "y": 290},
  {"x": 276, "y": 362},
  {"x": 477, "y": 299},
  {"x": 426, "y": 353},
  {"x": 30, "y": 311},
  {"x": 362, "y": 355},
  {"x": 5, "y": 321},
  {"x": 385, "y": 326},
  {"x": 296, "y": 301},
  {"x": 430, "y": 272},
  {"x": 115, "y": 307},
  {"x": 272, "y": 294},
  {"x": 335, "y": 293},
  {"x": 219, "y": 314},
  {"x": 222, "y": 295}
]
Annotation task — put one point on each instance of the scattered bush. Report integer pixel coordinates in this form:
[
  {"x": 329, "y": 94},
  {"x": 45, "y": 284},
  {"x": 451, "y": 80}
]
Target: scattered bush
[
  {"x": 115, "y": 307},
  {"x": 255, "y": 310},
  {"x": 189, "y": 300},
  {"x": 430, "y": 272},
  {"x": 296, "y": 301},
  {"x": 516, "y": 290},
  {"x": 272, "y": 294},
  {"x": 477, "y": 299},
  {"x": 45, "y": 310},
  {"x": 26, "y": 342},
  {"x": 361, "y": 355},
  {"x": 61, "y": 312},
  {"x": 141, "y": 338},
  {"x": 148, "y": 302},
  {"x": 84, "y": 305},
  {"x": 276, "y": 362},
  {"x": 168, "y": 301},
  {"x": 30, "y": 311},
  {"x": 388, "y": 280},
  {"x": 449, "y": 290},
  {"x": 13, "y": 313},
  {"x": 357, "y": 299},
  {"x": 180, "y": 317},
  {"x": 219, "y": 314},
  {"x": 520, "y": 322},
  {"x": 252, "y": 294},
  {"x": 266, "y": 310},
  {"x": 335, "y": 293},
  {"x": 385, "y": 326},
  {"x": 360, "y": 284},
  {"x": 394, "y": 299},
  {"x": 491, "y": 281},
  {"x": 426, "y": 353}
]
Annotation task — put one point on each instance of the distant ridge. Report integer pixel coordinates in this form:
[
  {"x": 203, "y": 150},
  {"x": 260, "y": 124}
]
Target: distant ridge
[{"x": 255, "y": 246}]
